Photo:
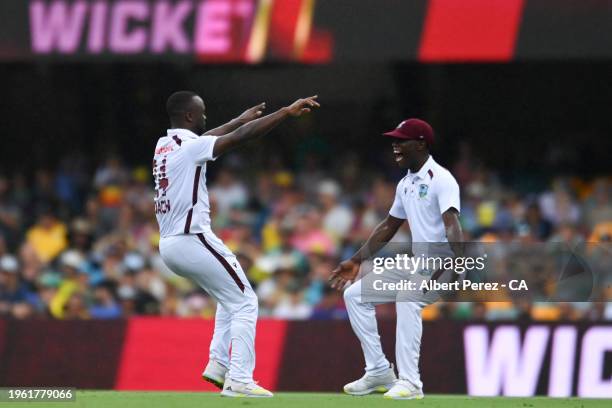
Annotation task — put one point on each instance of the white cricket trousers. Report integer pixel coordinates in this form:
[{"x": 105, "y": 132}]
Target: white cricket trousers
[
  {"x": 205, "y": 260},
  {"x": 407, "y": 335}
]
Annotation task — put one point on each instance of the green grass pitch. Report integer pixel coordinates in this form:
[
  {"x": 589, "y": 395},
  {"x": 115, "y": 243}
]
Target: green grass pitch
[{"x": 106, "y": 399}]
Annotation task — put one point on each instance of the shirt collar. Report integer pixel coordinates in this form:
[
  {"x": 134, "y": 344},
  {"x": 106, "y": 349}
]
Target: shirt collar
[
  {"x": 424, "y": 169},
  {"x": 182, "y": 133}
]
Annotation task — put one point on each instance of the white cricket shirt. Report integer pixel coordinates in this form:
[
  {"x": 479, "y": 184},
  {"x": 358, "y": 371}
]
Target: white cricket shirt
[
  {"x": 179, "y": 171},
  {"x": 421, "y": 198}
]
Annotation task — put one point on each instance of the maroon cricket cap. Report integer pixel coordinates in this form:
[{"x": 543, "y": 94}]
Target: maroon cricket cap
[{"x": 413, "y": 129}]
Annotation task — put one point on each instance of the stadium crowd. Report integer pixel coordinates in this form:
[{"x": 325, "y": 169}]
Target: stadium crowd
[{"x": 74, "y": 246}]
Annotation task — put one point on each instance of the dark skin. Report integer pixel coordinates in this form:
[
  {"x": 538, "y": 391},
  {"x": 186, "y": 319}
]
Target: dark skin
[
  {"x": 409, "y": 154},
  {"x": 240, "y": 130},
  {"x": 194, "y": 119},
  {"x": 246, "y": 117}
]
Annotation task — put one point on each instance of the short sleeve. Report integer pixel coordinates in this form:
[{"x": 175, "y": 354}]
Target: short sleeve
[
  {"x": 201, "y": 149},
  {"x": 397, "y": 209},
  {"x": 448, "y": 194}
]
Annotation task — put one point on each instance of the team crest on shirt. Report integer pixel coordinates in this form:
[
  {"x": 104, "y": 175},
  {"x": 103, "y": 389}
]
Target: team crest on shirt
[{"x": 423, "y": 190}]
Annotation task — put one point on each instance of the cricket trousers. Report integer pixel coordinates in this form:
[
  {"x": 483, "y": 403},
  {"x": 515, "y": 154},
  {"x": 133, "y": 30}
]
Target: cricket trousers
[
  {"x": 407, "y": 335},
  {"x": 204, "y": 259}
]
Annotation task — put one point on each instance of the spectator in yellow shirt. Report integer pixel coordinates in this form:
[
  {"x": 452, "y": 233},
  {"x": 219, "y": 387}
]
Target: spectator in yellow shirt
[{"x": 47, "y": 237}]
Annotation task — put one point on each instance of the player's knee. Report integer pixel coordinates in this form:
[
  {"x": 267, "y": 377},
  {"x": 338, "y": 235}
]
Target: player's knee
[
  {"x": 254, "y": 304},
  {"x": 246, "y": 306},
  {"x": 250, "y": 305}
]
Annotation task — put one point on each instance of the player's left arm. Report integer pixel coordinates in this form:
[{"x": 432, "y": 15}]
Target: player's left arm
[
  {"x": 246, "y": 117},
  {"x": 454, "y": 233},
  {"x": 450, "y": 205}
]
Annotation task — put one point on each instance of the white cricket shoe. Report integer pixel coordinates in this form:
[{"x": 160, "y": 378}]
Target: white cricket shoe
[
  {"x": 215, "y": 373},
  {"x": 404, "y": 390},
  {"x": 238, "y": 389},
  {"x": 372, "y": 383}
]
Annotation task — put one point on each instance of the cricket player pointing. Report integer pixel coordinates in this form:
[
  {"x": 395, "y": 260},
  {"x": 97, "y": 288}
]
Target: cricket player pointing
[
  {"x": 428, "y": 198},
  {"x": 190, "y": 248}
]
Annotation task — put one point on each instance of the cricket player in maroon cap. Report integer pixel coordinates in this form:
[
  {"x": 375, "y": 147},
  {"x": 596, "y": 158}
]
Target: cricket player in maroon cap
[{"x": 428, "y": 199}]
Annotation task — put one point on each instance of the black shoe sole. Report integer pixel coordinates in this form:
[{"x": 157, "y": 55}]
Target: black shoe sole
[{"x": 216, "y": 383}]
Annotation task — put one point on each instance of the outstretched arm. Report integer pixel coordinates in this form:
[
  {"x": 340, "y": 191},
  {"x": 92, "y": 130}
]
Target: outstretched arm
[
  {"x": 246, "y": 117},
  {"x": 382, "y": 234},
  {"x": 261, "y": 126}
]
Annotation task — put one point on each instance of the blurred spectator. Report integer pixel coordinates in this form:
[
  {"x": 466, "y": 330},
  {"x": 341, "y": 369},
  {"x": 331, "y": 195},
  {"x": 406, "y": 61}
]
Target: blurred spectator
[
  {"x": 598, "y": 207},
  {"x": 72, "y": 281},
  {"x": 558, "y": 205},
  {"x": 285, "y": 255},
  {"x": 227, "y": 192},
  {"x": 75, "y": 308},
  {"x": 10, "y": 213},
  {"x": 43, "y": 195},
  {"x": 309, "y": 236},
  {"x": 271, "y": 291},
  {"x": 112, "y": 172},
  {"x": 13, "y": 291},
  {"x": 105, "y": 305},
  {"x": 535, "y": 224},
  {"x": 292, "y": 305},
  {"x": 331, "y": 306},
  {"x": 602, "y": 232},
  {"x": 48, "y": 236},
  {"x": 337, "y": 219}
]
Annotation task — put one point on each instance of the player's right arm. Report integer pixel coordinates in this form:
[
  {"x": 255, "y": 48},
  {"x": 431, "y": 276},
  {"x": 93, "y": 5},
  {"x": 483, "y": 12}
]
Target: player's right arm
[
  {"x": 382, "y": 234},
  {"x": 261, "y": 126}
]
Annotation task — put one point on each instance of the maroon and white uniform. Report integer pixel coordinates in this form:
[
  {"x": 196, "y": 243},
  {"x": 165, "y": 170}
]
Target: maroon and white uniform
[{"x": 190, "y": 248}]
